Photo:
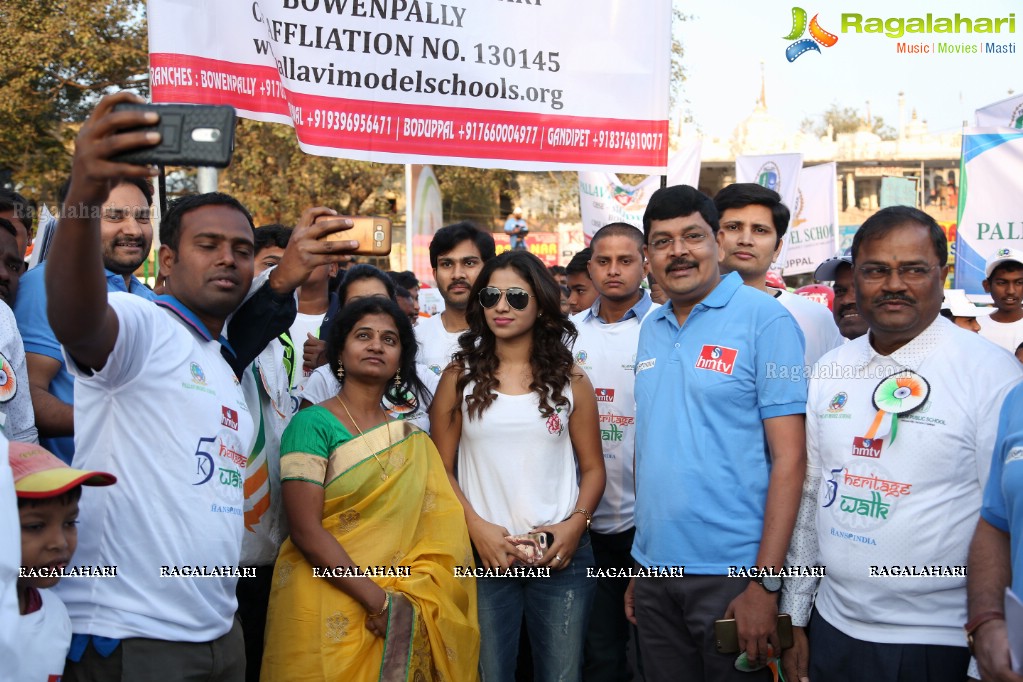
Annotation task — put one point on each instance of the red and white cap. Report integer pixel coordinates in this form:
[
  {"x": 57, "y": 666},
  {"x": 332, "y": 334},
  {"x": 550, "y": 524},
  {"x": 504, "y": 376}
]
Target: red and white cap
[{"x": 38, "y": 473}]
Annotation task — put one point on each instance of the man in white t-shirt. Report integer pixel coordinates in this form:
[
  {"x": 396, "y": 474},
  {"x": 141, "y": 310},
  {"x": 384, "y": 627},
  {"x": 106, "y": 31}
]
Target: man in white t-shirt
[
  {"x": 457, "y": 253},
  {"x": 160, "y": 407},
  {"x": 753, "y": 224},
  {"x": 17, "y": 418},
  {"x": 899, "y": 431},
  {"x": 1004, "y": 273},
  {"x": 606, "y": 349}
]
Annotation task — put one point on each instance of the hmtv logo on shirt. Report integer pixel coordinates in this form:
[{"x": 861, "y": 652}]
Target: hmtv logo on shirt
[
  {"x": 229, "y": 417},
  {"x": 604, "y": 395},
  {"x": 717, "y": 359},
  {"x": 867, "y": 447}
]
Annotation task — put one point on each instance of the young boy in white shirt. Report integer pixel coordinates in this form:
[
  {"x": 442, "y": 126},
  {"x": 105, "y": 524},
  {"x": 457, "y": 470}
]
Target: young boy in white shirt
[{"x": 48, "y": 492}]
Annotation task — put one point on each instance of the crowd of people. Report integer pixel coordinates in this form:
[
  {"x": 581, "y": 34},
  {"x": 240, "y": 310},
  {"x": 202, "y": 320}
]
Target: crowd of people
[{"x": 272, "y": 467}]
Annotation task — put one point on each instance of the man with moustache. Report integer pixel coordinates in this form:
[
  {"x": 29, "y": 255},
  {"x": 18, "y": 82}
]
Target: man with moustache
[
  {"x": 719, "y": 451},
  {"x": 457, "y": 253},
  {"x": 186, "y": 452},
  {"x": 20, "y": 213},
  {"x": 606, "y": 349},
  {"x": 126, "y": 235},
  {"x": 838, "y": 270},
  {"x": 900, "y": 431},
  {"x": 753, "y": 223}
]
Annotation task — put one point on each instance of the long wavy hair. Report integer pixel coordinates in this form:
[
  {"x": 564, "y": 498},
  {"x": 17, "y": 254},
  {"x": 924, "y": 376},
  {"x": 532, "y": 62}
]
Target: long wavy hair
[
  {"x": 550, "y": 360},
  {"x": 406, "y": 391}
]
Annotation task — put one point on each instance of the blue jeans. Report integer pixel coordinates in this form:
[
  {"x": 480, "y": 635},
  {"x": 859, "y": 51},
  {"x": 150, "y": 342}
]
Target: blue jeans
[{"x": 556, "y": 610}]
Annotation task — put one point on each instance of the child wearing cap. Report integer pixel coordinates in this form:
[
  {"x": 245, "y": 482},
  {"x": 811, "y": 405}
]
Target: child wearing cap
[
  {"x": 48, "y": 491},
  {"x": 1004, "y": 281}
]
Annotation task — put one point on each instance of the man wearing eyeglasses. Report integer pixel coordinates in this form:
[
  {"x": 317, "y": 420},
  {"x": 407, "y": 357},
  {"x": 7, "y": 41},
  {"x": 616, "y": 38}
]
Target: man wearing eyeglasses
[
  {"x": 900, "y": 426},
  {"x": 719, "y": 452}
]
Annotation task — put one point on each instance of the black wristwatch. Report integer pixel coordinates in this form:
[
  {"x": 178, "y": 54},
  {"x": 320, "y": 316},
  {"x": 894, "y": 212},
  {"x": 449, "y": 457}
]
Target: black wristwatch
[{"x": 771, "y": 583}]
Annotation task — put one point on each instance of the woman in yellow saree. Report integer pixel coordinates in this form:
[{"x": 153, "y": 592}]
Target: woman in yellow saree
[{"x": 368, "y": 585}]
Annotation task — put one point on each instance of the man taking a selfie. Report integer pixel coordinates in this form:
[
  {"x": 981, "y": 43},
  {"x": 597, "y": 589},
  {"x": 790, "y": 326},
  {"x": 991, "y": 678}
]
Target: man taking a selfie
[{"x": 182, "y": 458}]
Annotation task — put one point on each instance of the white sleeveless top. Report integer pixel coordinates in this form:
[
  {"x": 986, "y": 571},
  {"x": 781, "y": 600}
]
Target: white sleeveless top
[{"x": 515, "y": 466}]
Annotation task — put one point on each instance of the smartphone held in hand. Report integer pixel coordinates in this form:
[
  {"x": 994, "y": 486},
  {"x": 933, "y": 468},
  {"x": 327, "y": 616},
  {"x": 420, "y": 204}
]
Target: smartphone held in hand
[
  {"x": 373, "y": 234},
  {"x": 533, "y": 545},
  {"x": 726, "y": 634},
  {"x": 190, "y": 135}
]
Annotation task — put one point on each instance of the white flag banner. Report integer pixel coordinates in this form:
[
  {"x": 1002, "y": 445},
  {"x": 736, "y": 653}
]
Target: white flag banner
[
  {"x": 1007, "y": 113},
  {"x": 684, "y": 165},
  {"x": 779, "y": 172},
  {"x": 813, "y": 227},
  {"x": 512, "y": 85},
  {"x": 990, "y": 204},
  {"x": 604, "y": 199}
]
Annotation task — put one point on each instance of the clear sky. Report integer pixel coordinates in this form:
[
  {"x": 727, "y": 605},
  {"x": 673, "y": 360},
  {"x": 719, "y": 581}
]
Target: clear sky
[{"x": 725, "y": 41}]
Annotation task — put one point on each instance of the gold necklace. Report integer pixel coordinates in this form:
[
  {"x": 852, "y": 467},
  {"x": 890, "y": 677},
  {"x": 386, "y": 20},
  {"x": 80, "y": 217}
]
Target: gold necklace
[{"x": 383, "y": 469}]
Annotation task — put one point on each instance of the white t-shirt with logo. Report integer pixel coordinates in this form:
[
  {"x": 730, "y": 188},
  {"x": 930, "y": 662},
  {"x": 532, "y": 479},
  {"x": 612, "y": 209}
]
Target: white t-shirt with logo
[
  {"x": 267, "y": 387},
  {"x": 167, "y": 416},
  {"x": 914, "y": 502},
  {"x": 436, "y": 344},
  {"x": 608, "y": 354},
  {"x": 1008, "y": 335},
  {"x": 516, "y": 467},
  {"x": 817, "y": 323},
  {"x": 44, "y": 637},
  {"x": 17, "y": 418}
]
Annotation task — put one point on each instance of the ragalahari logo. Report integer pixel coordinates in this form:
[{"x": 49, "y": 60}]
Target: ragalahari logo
[{"x": 803, "y": 45}]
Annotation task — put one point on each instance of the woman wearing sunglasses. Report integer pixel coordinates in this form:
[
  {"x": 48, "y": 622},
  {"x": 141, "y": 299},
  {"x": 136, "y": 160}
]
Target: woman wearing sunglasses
[{"x": 522, "y": 419}]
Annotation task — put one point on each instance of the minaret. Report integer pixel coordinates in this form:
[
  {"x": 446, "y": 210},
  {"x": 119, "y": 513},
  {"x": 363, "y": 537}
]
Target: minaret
[
  {"x": 762, "y": 102},
  {"x": 902, "y": 115}
]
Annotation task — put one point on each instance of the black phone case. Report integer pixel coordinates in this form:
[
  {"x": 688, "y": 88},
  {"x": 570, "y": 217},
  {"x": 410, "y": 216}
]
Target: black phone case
[{"x": 178, "y": 148}]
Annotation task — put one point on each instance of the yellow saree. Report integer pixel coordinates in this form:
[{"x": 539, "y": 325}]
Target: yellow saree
[{"x": 393, "y": 513}]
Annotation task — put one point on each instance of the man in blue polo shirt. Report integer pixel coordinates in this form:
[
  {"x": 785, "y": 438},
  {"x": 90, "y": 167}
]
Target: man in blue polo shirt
[
  {"x": 127, "y": 235},
  {"x": 720, "y": 450}
]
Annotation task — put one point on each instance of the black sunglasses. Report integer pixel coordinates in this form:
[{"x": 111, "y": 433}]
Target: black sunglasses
[{"x": 517, "y": 297}]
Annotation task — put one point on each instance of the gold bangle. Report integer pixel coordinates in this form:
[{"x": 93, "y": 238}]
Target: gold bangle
[
  {"x": 383, "y": 609},
  {"x": 586, "y": 515}
]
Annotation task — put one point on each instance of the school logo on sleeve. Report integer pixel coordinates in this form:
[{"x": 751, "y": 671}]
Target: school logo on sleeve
[
  {"x": 717, "y": 359},
  {"x": 8, "y": 380},
  {"x": 605, "y": 395},
  {"x": 229, "y": 417}
]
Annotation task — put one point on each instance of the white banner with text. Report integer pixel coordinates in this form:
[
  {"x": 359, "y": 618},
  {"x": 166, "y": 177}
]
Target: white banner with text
[
  {"x": 990, "y": 203},
  {"x": 813, "y": 226},
  {"x": 779, "y": 172},
  {"x": 603, "y": 199},
  {"x": 524, "y": 84}
]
